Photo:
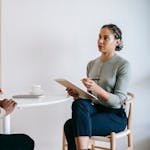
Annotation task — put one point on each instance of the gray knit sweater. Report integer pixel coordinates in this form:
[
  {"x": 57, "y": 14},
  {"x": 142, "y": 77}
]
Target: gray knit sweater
[{"x": 113, "y": 76}]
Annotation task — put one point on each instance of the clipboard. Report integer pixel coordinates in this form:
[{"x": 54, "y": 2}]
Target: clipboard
[{"x": 82, "y": 93}]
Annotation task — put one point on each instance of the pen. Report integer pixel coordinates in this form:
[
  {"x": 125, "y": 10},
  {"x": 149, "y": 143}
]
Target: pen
[{"x": 95, "y": 79}]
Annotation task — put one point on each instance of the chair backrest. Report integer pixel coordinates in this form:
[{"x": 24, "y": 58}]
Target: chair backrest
[{"x": 129, "y": 105}]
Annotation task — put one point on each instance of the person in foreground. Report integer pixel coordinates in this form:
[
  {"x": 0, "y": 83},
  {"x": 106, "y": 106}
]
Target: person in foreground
[
  {"x": 13, "y": 141},
  {"x": 108, "y": 79}
]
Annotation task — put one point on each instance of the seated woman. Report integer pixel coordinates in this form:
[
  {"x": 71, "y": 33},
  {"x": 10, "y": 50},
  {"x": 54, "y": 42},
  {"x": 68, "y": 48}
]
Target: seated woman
[
  {"x": 13, "y": 141},
  {"x": 108, "y": 79}
]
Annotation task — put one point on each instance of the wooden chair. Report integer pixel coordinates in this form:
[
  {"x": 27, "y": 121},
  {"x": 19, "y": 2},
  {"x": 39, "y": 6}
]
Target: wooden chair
[{"x": 111, "y": 139}]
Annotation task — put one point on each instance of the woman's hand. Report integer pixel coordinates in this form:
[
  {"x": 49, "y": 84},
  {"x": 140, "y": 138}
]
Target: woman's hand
[
  {"x": 91, "y": 85},
  {"x": 73, "y": 92},
  {"x": 8, "y": 105},
  {"x": 95, "y": 88}
]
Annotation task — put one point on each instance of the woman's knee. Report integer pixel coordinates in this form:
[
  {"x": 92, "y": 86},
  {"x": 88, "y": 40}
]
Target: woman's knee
[
  {"x": 28, "y": 141},
  {"x": 17, "y": 142},
  {"x": 81, "y": 104},
  {"x": 68, "y": 126}
]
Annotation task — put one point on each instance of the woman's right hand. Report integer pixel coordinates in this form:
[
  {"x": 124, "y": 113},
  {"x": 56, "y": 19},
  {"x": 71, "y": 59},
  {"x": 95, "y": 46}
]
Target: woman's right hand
[
  {"x": 73, "y": 92},
  {"x": 8, "y": 105}
]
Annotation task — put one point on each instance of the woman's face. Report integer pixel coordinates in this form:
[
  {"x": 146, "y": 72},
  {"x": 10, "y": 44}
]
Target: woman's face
[{"x": 106, "y": 41}]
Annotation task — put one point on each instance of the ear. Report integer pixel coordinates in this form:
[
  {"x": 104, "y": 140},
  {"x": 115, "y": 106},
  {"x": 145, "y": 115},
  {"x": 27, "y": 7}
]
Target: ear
[{"x": 118, "y": 42}]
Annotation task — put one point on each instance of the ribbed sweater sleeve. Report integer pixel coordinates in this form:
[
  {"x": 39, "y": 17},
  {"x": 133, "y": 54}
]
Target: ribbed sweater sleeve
[{"x": 121, "y": 86}]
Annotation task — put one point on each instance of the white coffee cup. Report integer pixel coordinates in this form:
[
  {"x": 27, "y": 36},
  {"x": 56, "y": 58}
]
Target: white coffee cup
[{"x": 36, "y": 90}]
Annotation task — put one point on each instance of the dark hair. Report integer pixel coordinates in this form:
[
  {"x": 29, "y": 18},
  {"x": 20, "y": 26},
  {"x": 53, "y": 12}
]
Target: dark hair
[{"x": 117, "y": 34}]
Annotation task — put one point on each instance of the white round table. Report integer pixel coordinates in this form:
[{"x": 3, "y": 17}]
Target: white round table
[{"x": 32, "y": 102}]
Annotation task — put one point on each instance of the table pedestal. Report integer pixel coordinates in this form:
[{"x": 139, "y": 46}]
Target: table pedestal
[{"x": 6, "y": 125}]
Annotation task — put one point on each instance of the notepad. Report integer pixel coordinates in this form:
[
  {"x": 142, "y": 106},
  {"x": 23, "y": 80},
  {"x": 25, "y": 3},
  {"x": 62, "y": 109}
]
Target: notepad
[{"x": 82, "y": 93}]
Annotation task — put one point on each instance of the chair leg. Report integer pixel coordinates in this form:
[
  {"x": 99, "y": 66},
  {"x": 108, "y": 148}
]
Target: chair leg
[
  {"x": 113, "y": 141},
  {"x": 130, "y": 142},
  {"x": 92, "y": 145}
]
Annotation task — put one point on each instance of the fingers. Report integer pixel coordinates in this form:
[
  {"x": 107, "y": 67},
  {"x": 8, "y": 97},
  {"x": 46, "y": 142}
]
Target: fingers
[
  {"x": 6, "y": 103},
  {"x": 9, "y": 105},
  {"x": 12, "y": 101},
  {"x": 87, "y": 82},
  {"x": 69, "y": 90},
  {"x": 72, "y": 92}
]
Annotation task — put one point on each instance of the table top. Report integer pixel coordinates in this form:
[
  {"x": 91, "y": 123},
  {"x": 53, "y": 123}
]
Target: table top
[{"x": 41, "y": 101}]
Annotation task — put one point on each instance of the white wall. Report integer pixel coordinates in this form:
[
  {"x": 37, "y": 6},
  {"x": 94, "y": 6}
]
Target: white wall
[{"x": 46, "y": 39}]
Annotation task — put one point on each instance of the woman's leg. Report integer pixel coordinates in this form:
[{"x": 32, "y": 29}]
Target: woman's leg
[
  {"x": 108, "y": 120},
  {"x": 81, "y": 116},
  {"x": 69, "y": 133},
  {"x": 88, "y": 119},
  {"x": 82, "y": 110},
  {"x": 103, "y": 123},
  {"x": 82, "y": 142},
  {"x": 16, "y": 142}
]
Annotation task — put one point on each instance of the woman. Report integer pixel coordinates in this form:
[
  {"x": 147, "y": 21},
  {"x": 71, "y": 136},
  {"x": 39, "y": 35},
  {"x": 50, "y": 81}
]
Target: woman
[
  {"x": 13, "y": 141},
  {"x": 107, "y": 78}
]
